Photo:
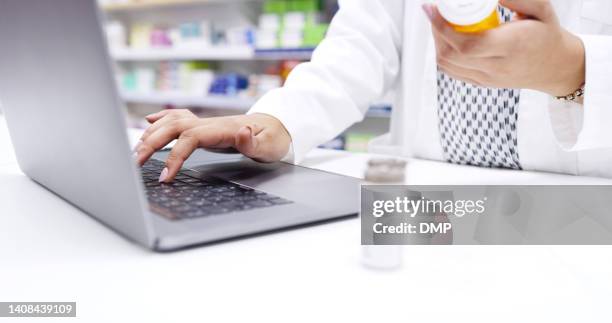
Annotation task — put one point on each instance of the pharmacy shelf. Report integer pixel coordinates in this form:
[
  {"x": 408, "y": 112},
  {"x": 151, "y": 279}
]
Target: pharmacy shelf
[
  {"x": 302, "y": 54},
  {"x": 217, "y": 102},
  {"x": 183, "y": 100},
  {"x": 160, "y": 4},
  {"x": 379, "y": 111},
  {"x": 218, "y": 53},
  {"x": 209, "y": 53}
]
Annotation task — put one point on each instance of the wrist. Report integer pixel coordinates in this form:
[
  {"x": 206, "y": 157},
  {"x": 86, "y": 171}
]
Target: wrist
[{"x": 569, "y": 74}]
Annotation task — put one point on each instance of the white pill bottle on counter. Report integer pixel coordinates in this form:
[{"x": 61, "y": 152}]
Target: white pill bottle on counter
[{"x": 383, "y": 172}]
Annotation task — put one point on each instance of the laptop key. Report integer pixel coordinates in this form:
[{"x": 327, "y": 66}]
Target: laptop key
[
  {"x": 202, "y": 202},
  {"x": 189, "y": 197},
  {"x": 189, "y": 180},
  {"x": 195, "y": 214}
]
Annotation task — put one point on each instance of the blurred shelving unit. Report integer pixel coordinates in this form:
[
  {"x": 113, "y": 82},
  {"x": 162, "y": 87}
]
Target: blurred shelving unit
[
  {"x": 302, "y": 54},
  {"x": 235, "y": 104},
  {"x": 212, "y": 53},
  {"x": 159, "y": 4},
  {"x": 244, "y": 59}
]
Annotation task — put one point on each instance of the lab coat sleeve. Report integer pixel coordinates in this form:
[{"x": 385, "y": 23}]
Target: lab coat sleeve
[
  {"x": 595, "y": 129},
  {"x": 356, "y": 64}
]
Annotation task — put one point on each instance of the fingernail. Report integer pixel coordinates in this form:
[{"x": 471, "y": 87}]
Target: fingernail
[
  {"x": 250, "y": 130},
  {"x": 428, "y": 9},
  {"x": 163, "y": 175}
]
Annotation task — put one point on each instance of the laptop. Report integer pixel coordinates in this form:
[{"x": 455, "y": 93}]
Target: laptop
[{"x": 67, "y": 124}]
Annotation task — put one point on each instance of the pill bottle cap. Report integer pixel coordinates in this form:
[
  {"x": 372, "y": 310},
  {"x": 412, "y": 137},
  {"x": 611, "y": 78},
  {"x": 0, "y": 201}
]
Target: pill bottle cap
[{"x": 466, "y": 12}]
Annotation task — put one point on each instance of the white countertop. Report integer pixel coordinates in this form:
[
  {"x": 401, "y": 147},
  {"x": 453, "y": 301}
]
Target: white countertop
[{"x": 50, "y": 251}]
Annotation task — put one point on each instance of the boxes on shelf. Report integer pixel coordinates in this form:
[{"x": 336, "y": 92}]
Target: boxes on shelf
[
  {"x": 260, "y": 84},
  {"x": 230, "y": 84},
  {"x": 140, "y": 35},
  {"x": 358, "y": 142},
  {"x": 195, "y": 79},
  {"x": 336, "y": 144},
  {"x": 192, "y": 35},
  {"x": 350, "y": 141},
  {"x": 283, "y": 24},
  {"x": 189, "y": 78},
  {"x": 188, "y": 35},
  {"x": 290, "y": 24}
]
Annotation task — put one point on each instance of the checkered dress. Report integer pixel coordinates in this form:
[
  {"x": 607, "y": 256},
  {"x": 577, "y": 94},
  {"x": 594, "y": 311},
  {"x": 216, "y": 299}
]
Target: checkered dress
[{"x": 477, "y": 124}]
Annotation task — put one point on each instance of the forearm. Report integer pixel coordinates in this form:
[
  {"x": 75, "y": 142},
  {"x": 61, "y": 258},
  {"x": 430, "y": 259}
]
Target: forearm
[
  {"x": 356, "y": 64},
  {"x": 567, "y": 71},
  {"x": 596, "y": 115}
]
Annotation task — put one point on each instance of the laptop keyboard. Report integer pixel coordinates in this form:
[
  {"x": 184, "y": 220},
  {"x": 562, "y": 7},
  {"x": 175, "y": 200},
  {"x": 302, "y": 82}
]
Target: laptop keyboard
[{"x": 189, "y": 197}]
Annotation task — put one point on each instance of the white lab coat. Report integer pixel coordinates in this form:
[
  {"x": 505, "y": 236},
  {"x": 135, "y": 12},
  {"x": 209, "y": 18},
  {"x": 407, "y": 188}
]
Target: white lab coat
[{"x": 376, "y": 47}]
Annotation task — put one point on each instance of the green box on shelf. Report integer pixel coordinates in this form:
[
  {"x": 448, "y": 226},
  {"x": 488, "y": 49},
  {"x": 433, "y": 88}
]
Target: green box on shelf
[
  {"x": 198, "y": 65},
  {"x": 358, "y": 142},
  {"x": 303, "y": 5},
  {"x": 314, "y": 34},
  {"x": 129, "y": 81},
  {"x": 278, "y": 7},
  {"x": 281, "y": 7}
]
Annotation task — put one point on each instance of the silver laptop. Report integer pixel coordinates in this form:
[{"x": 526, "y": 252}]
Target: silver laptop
[{"x": 68, "y": 128}]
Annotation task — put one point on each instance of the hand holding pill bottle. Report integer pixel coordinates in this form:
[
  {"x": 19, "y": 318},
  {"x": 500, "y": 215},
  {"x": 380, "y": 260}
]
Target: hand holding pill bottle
[{"x": 470, "y": 16}]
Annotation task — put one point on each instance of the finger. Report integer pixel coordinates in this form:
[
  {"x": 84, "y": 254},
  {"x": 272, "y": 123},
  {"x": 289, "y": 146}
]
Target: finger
[
  {"x": 166, "y": 119},
  {"x": 541, "y": 10},
  {"x": 151, "y": 118},
  {"x": 466, "y": 80},
  {"x": 469, "y": 76},
  {"x": 447, "y": 54},
  {"x": 485, "y": 44},
  {"x": 156, "y": 126},
  {"x": 162, "y": 137},
  {"x": 183, "y": 148},
  {"x": 485, "y": 65},
  {"x": 161, "y": 118}
]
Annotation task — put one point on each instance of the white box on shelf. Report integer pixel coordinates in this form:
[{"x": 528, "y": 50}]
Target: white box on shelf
[
  {"x": 294, "y": 21},
  {"x": 145, "y": 79},
  {"x": 292, "y": 39},
  {"x": 116, "y": 34},
  {"x": 265, "y": 39},
  {"x": 237, "y": 36},
  {"x": 200, "y": 82},
  {"x": 270, "y": 22}
]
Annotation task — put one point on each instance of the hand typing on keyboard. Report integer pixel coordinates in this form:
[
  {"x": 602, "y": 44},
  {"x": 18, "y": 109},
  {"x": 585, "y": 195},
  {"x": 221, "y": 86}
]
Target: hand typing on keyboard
[
  {"x": 258, "y": 136},
  {"x": 189, "y": 197}
]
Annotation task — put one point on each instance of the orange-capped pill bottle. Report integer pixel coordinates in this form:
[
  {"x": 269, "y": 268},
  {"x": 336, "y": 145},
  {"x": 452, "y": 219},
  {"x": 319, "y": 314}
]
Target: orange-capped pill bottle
[{"x": 470, "y": 16}]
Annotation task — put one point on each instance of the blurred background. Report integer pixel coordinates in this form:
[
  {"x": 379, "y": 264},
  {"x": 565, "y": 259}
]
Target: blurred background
[{"x": 217, "y": 57}]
